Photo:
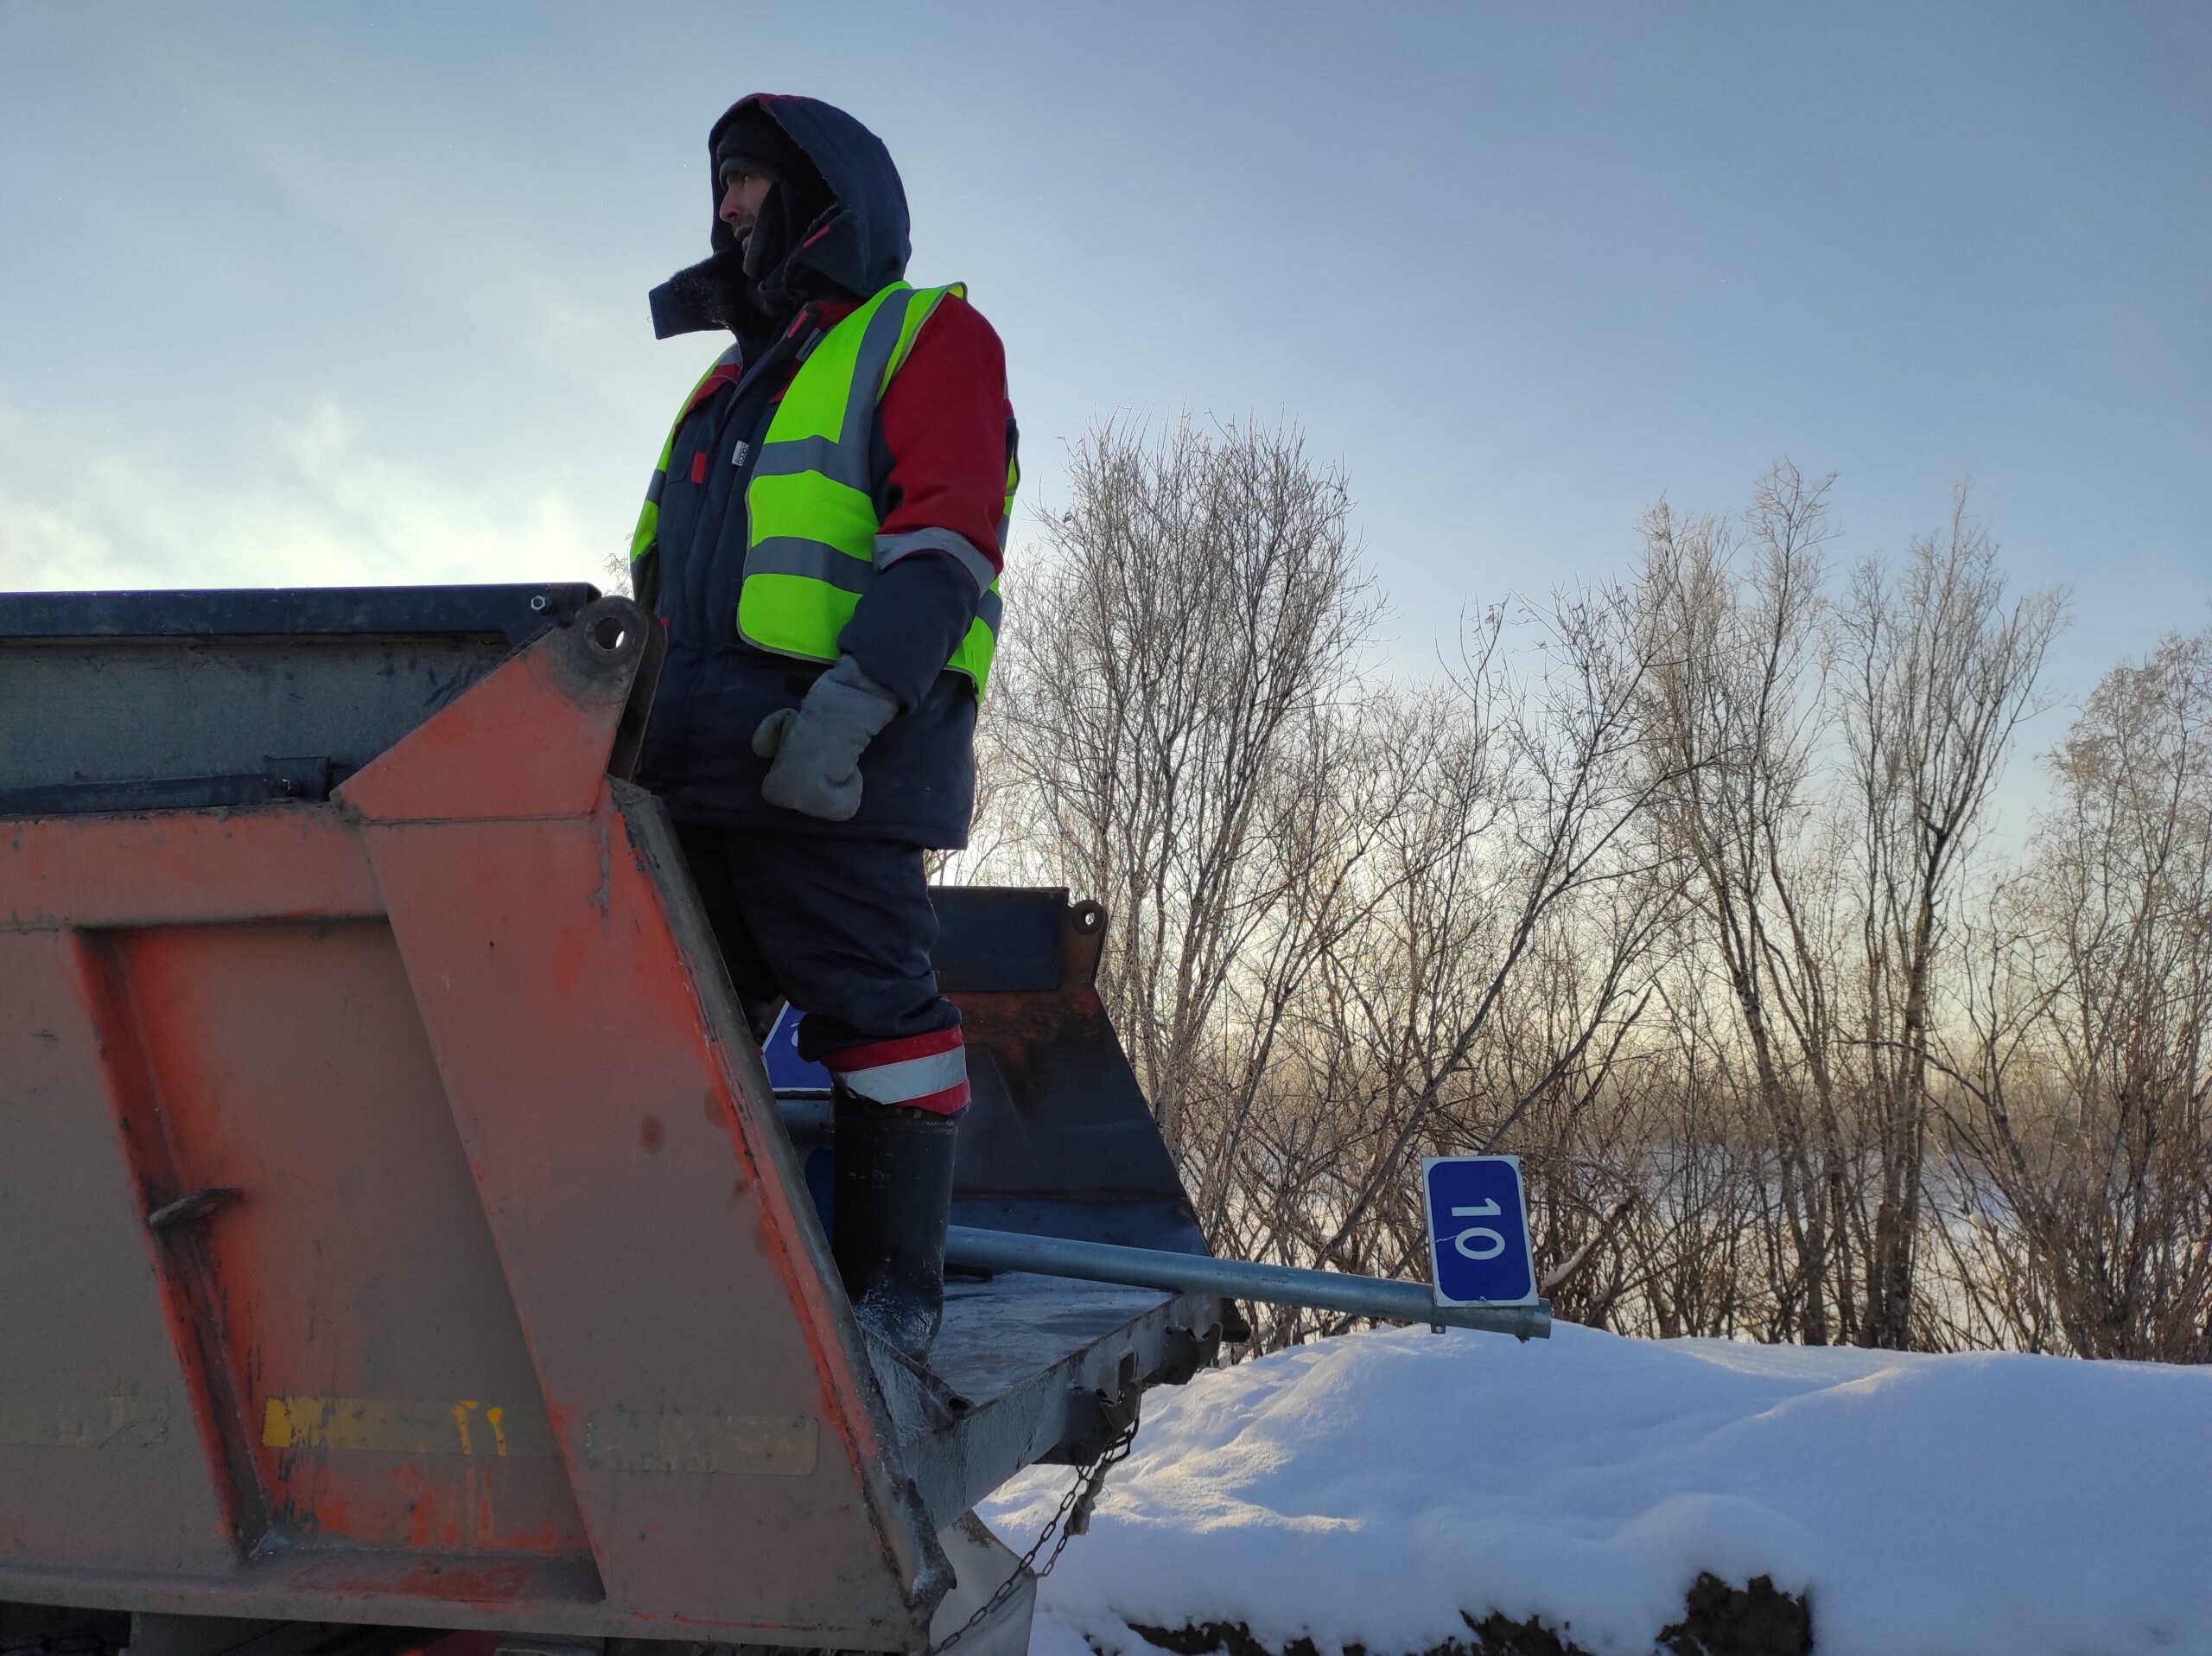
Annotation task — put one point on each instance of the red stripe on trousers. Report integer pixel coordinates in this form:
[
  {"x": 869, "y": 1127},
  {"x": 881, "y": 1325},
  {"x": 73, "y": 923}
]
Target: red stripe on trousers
[
  {"x": 877, "y": 1054},
  {"x": 950, "y": 1102}
]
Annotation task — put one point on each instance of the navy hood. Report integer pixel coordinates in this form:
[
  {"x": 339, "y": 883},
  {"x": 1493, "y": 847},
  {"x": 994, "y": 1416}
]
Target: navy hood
[{"x": 855, "y": 245}]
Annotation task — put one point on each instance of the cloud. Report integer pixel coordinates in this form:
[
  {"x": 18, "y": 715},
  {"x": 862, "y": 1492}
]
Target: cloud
[
  {"x": 322, "y": 508},
  {"x": 469, "y": 239}
]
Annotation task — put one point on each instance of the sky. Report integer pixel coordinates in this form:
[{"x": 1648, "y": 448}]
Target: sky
[{"x": 355, "y": 292}]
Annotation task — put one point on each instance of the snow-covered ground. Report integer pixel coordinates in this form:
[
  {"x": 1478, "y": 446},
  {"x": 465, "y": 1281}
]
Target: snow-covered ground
[{"x": 1371, "y": 1488}]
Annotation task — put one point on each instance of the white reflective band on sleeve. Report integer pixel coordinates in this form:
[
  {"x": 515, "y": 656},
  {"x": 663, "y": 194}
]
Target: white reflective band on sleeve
[
  {"x": 910, "y": 1078},
  {"x": 889, "y": 549}
]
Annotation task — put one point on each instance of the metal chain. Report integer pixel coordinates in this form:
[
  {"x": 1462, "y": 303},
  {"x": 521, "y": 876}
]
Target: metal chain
[{"x": 1072, "y": 1520}]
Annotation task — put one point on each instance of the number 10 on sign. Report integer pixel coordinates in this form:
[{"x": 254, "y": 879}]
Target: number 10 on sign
[{"x": 1477, "y": 1231}]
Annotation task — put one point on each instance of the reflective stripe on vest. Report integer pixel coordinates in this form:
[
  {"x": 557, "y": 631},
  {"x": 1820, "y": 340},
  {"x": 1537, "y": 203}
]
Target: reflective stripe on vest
[{"x": 815, "y": 542}]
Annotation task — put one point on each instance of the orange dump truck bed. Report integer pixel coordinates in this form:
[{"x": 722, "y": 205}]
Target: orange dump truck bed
[{"x": 397, "y": 1224}]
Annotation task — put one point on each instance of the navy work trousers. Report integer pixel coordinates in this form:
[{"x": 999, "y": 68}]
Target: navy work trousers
[{"x": 842, "y": 928}]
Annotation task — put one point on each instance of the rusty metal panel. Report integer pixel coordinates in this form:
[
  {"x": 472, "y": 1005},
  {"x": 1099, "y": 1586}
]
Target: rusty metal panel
[
  {"x": 647, "y": 1238},
  {"x": 396, "y": 1225},
  {"x": 182, "y": 867},
  {"x": 436, "y": 1209},
  {"x": 630, "y": 1163},
  {"x": 291, "y": 1067},
  {"x": 467, "y": 762},
  {"x": 102, "y": 1458}
]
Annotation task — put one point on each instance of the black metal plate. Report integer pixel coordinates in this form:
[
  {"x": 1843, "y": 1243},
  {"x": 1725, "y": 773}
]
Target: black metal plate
[
  {"x": 998, "y": 937},
  {"x": 519, "y": 612}
]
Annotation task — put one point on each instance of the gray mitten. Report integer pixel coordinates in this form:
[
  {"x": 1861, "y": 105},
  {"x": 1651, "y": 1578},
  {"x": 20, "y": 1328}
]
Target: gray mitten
[{"x": 816, "y": 746}]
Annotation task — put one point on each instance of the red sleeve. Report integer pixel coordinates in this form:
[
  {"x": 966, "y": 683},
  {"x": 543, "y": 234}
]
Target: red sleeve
[{"x": 947, "y": 421}]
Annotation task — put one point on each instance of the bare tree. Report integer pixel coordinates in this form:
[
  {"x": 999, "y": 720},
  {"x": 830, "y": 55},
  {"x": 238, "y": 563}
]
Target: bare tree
[
  {"x": 1939, "y": 673},
  {"x": 1195, "y": 617},
  {"x": 1532, "y": 851},
  {"x": 1739, "y": 715},
  {"x": 1679, "y": 889},
  {"x": 2089, "y": 1139}
]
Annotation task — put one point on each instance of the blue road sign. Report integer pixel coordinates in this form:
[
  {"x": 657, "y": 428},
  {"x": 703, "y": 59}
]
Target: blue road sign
[
  {"x": 787, "y": 1071},
  {"x": 1477, "y": 1231}
]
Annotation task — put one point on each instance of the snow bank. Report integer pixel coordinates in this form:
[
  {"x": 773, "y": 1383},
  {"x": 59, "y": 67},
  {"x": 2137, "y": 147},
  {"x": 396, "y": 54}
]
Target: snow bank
[{"x": 1370, "y": 1488}]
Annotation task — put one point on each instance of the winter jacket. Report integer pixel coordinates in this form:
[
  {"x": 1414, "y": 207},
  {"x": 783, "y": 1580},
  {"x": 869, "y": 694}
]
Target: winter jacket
[{"x": 944, "y": 436}]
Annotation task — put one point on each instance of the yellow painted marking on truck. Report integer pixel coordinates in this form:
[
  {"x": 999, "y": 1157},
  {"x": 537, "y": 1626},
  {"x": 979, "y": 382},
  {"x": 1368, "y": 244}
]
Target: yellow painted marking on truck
[
  {"x": 616, "y": 1440},
  {"x": 397, "y": 1426}
]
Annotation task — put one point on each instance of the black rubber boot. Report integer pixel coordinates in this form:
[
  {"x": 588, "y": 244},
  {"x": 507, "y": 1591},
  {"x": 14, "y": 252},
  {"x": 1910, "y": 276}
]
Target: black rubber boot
[{"x": 893, "y": 1199}]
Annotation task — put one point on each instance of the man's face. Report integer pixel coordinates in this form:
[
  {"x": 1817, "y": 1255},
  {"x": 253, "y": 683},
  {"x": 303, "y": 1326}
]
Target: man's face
[{"x": 742, "y": 194}]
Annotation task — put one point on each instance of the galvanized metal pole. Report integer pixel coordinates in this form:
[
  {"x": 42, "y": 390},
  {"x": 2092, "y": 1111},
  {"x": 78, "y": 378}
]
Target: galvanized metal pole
[{"x": 967, "y": 1248}]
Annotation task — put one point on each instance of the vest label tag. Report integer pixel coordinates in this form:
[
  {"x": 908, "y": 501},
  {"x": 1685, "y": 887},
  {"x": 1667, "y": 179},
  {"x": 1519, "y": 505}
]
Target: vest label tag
[{"x": 738, "y": 455}]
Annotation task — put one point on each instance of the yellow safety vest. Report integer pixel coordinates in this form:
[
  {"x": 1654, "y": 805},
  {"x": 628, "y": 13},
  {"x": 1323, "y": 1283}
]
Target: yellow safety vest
[{"x": 814, "y": 539}]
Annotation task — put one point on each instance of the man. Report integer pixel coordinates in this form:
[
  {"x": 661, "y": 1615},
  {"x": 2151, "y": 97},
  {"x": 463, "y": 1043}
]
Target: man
[{"x": 823, "y": 538}]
